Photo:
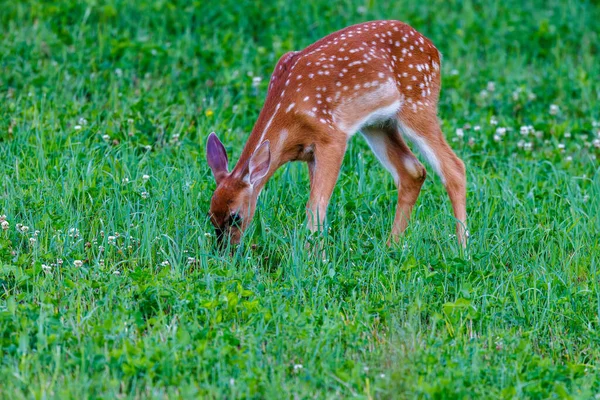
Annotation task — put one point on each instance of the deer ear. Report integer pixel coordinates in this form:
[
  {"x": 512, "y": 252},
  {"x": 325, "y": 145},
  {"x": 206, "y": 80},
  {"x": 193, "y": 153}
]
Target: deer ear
[
  {"x": 216, "y": 157},
  {"x": 259, "y": 162}
]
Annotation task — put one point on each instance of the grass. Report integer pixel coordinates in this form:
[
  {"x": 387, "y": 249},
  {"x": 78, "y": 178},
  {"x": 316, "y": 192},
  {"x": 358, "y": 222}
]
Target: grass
[{"x": 109, "y": 282}]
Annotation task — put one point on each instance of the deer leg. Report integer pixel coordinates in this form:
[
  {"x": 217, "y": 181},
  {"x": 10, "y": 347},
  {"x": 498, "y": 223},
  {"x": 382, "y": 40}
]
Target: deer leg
[
  {"x": 409, "y": 174},
  {"x": 324, "y": 169},
  {"x": 425, "y": 132}
]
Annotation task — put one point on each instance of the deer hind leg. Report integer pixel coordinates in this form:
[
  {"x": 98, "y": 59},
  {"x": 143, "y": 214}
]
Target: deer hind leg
[
  {"x": 424, "y": 131},
  {"x": 323, "y": 169},
  {"x": 409, "y": 174}
]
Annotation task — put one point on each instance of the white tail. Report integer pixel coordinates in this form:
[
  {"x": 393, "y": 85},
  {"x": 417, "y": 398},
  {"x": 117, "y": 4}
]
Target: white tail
[{"x": 381, "y": 78}]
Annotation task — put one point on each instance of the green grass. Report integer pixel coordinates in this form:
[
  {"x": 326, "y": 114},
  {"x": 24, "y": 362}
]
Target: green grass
[{"x": 94, "y": 95}]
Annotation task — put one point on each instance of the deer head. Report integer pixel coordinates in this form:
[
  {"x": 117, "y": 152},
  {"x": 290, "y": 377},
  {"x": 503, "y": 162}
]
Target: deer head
[{"x": 234, "y": 201}]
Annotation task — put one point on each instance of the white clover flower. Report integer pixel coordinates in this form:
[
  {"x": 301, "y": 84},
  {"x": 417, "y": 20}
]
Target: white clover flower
[
  {"x": 483, "y": 94},
  {"x": 476, "y": 128},
  {"x": 145, "y": 177},
  {"x": 382, "y": 375},
  {"x": 460, "y": 132},
  {"x": 106, "y": 138},
  {"x": 119, "y": 72},
  {"x": 596, "y": 143},
  {"x": 298, "y": 367},
  {"x": 521, "y": 144},
  {"x": 78, "y": 263},
  {"x": 554, "y": 109},
  {"x": 493, "y": 120},
  {"x": 165, "y": 263},
  {"x": 561, "y": 146},
  {"x": 5, "y": 225},
  {"x": 207, "y": 234},
  {"x": 256, "y": 81},
  {"x": 116, "y": 272},
  {"x": 567, "y": 134},
  {"x": 491, "y": 86},
  {"x": 77, "y": 127},
  {"x": 145, "y": 195},
  {"x": 32, "y": 240},
  {"x": 586, "y": 198},
  {"x": 497, "y": 138},
  {"x": 569, "y": 158},
  {"x": 361, "y": 10},
  {"x": 528, "y": 146},
  {"x": 46, "y": 268},
  {"x": 148, "y": 147},
  {"x": 524, "y": 130},
  {"x": 501, "y": 131},
  {"x": 531, "y": 96},
  {"x": 82, "y": 121}
]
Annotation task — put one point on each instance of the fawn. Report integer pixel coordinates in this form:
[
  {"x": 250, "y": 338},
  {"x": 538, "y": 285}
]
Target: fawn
[{"x": 381, "y": 78}]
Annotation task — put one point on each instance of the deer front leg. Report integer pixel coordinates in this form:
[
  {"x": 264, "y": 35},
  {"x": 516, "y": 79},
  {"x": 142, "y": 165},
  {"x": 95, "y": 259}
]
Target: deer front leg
[{"x": 323, "y": 170}]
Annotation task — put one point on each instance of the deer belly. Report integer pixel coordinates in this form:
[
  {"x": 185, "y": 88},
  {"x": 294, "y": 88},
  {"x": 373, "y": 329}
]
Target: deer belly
[{"x": 374, "y": 107}]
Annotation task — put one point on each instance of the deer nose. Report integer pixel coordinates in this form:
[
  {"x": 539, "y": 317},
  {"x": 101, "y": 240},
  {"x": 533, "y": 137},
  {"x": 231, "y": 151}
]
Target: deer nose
[{"x": 220, "y": 235}]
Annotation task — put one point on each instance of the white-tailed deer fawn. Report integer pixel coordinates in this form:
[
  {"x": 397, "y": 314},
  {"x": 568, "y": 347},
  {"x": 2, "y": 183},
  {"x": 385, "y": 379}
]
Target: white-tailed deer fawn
[{"x": 381, "y": 78}]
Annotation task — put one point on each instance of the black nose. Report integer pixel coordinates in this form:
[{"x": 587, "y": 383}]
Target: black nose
[
  {"x": 219, "y": 234},
  {"x": 222, "y": 239}
]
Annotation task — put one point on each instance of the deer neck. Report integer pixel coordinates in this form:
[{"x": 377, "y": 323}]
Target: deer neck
[{"x": 268, "y": 127}]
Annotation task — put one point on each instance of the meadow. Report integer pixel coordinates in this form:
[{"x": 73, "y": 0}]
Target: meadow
[{"x": 110, "y": 283}]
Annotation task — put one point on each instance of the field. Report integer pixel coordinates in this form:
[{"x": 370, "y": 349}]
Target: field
[{"x": 110, "y": 283}]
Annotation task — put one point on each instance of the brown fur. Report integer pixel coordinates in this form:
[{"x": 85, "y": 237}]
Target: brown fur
[{"x": 319, "y": 95}]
